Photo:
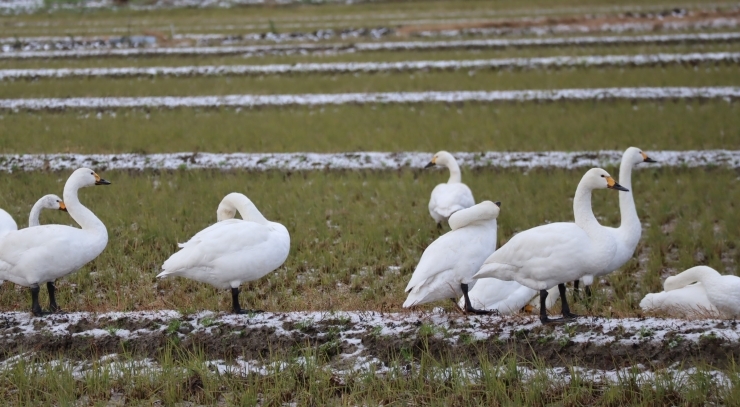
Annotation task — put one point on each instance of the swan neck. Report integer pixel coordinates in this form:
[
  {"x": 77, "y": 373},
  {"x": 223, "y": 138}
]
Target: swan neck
[
  {"x": 704, "y": 275},
  {"x": 245, "y": 207},
  {"x": 455, "y": 176},
  {"x": 582, "y": 211},
  {"x": 83, "y": 216},
  {"x": 630, "y": 221},
  {"x": 33, "y": 217}
]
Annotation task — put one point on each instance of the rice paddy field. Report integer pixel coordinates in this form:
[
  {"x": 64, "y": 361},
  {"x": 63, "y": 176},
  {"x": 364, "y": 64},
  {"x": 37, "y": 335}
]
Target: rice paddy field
[{"x": 324, "y": 114}]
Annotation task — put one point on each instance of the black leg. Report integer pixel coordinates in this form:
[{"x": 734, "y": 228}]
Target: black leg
[
  {"x": 588, "y": 291},
  {"x": 235, "y": 303},
  {"x": 566, "y": 308},
  {"x": 439, "y": 226},
  {"x": 53, "y": 307},
  {"x": 35, "y": 306},
  {"x": 577, "y": 290},
  {"x": 543, "y": 309},
  {"x": 469, "y": 306}
]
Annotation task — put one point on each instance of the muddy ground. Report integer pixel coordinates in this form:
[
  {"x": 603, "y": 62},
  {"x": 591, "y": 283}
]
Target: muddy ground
[{"x": 348, "y": 339}]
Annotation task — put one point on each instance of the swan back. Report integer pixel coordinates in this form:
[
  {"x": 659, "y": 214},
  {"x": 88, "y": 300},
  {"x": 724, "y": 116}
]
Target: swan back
[{"x": 483, "y": 211}]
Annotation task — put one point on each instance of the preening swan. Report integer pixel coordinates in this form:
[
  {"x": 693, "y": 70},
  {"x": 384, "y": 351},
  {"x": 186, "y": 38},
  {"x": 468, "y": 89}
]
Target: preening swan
[
  {"x": 50, "y": 201},
  {"x": 549, "y": 255},
  {"x": 42, "y": 254},
  {"x": 231, "y": 251},
  {"x": 688, "y": 301},
  {"x": 629, "y": 230},
  {"x": 450, "y": 197},
  {"x": 722, "y": 292},
  {"x": 447, "y": 265}
]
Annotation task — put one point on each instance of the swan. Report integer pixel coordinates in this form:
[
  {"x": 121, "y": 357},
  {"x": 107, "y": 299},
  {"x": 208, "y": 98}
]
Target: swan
[
  {"x": 7, "y": 223},
  {"x": 50, "y": 201},
  {"x": 506, "y": 297},
  {"x": 629, "y": 231},
  {"x": 550, "y": 255},
  {"x": 447, "y": 264},
  {"x": 231, "y": 251},
  {"x": 722, "y": 292},
  {"x": 450, "y": 197},
  {"x": 688, "y": 301},
  {"x": 36, "y": 255}
]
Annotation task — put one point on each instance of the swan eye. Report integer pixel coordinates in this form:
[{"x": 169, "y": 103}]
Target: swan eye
[{"x": 602, "y": 175}]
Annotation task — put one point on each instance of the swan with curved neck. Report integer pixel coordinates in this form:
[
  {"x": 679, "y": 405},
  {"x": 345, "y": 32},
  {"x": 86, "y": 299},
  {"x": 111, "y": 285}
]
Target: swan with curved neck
[
  {"x": 447, "y": 265},
  {"x": 723, "y": 292},
  {"x": 451, "y": 197},
  {"x": 550, "y": 255},
  {"x": 41, "y": 254},
  {"x": 629, "y": 231},
  {"x": 231, "y": 251},
  {"x": 51, "y": 202}
]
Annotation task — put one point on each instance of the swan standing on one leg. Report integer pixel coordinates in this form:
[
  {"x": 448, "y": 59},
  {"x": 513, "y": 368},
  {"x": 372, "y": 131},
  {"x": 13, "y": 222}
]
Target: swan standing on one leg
[
  {"x": 450, "y": 197},
  {"x": 550, "y": 255},
  {"x": 629, "y": 231},
  {"x": 232, "y": 251},
  {"x": 722, "y": 292},
  {"x": 42, "y": 254},
  {"x": 447, "y": 265}
]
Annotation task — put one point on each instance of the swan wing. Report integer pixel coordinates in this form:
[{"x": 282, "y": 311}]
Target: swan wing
[
  {"x": 440, "y": 256},
  {"x": 690, "y": 300},
  {"x": 213, "y": 229},
  {"x": 449, "y": 198}
]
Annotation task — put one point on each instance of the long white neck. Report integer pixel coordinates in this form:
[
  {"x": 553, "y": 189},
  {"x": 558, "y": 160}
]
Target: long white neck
[
  {"x": 582, "y": 211},
  {"x": 238, "y": 202},
  {"x": 83, "y": 216},
  {"x": 455, "y": 176},
  {"x": 703, "y": 274},
  {"x": 630, "y": 224},
  {"x": 33, "y": 218}
]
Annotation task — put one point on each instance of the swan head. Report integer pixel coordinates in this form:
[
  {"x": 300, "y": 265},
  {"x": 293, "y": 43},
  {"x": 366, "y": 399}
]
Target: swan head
[
  {"x": 442, "y": 158},
  {"x": 597, "y": 178},
  {"x": 483, "y": 211},
  {"x": 85, "y": 177},
  {"x": 52, "y": 201},
  {"x": 637, "y": 156}
]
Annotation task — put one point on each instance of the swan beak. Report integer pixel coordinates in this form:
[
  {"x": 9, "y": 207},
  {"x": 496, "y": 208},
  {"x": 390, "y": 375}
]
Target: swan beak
[
  {"x": 647, "y": 159},
  {"x": 498, "y": 203},
  {"x": 611, "y": 184},
  {"x": 101, "y": 181},
  {"x": 431, "y": 164},
  {"x": 62, "y": 207}
]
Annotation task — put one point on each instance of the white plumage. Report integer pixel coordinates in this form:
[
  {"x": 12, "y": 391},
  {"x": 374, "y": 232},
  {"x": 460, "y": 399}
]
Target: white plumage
[
  {"x": 51, "y": 202},
  {"x": 42, "y": 254},
  {"x": 713, "y": 293},
  {"x": 549, "y": 255},
  {"x": 451, "y": 197},
  {"x": 231, "y": 251},
  {"x": 447, "y": 265}
]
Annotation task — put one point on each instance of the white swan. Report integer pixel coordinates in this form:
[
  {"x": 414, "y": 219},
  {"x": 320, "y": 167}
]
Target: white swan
[
  {"x": 506, "y": 297},
  {"x": 688, "y": 301},
  {"x": 42, "y": 254},
  {"x": 232, "y": 251},
  {"x": 450, "y": 197},
  {"x": 447, "y": 265},
  {"x": 722, "y": 292},
  {"x": 51, "y": 202},
  {"x": 7, "y": 223},
  {"x": 629, "y": 231},
  {"x": 550, "y": 255}
]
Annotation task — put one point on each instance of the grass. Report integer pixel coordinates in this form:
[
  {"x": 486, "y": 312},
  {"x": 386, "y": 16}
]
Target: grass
[
  {"x": 180, "y": 375},
  {"x": 348, "y": 228},
  {"x": 707, "y": 75},
  {"x": 571, "y": 126}
]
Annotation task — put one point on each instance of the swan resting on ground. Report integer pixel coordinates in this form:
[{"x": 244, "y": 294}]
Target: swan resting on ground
[
  {"x": 629, "y": 231},
  {"x": 450, "y": 197},
  {"x": 447, "y": 265},
  {"x": 231, "y": 251},
  {"x": 553, "y": 254},
  {"x": 41, "y": 254},
  {"x": 712, "y": 294}
]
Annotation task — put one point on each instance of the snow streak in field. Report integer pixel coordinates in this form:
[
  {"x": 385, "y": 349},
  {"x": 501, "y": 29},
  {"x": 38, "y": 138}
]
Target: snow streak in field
[
  {"x": 360, "y": 160},
  {"x": 351, "y": 67},
  {"x": 248, "y": 101},
  {"x": 9, "y": 53}
]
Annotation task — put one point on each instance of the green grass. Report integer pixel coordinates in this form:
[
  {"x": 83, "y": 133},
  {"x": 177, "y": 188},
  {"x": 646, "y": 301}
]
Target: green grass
[
  {"x": 181, "y": 375},
  {"x": 570, "y": 126},
  {"x": 381, "y": 82},
  {"x": 385, "y": 56},
  {"x": 347, "y": 228}
]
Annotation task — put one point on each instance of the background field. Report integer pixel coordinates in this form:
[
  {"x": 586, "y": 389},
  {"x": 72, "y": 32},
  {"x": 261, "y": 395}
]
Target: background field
[{"x": 356, "y": 236}]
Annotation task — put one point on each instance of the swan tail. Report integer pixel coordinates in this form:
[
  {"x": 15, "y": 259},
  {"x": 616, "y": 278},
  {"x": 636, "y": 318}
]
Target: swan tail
[{"x": 694, "y": 274}]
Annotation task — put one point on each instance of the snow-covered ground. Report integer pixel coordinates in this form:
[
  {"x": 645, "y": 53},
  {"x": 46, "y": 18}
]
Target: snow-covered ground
[
  {"x": 727, "y": 93},
  {"x": 358, "y": 160},
  {"x": 80, "y": 49},
  {"x": 370, "y": 67}
]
